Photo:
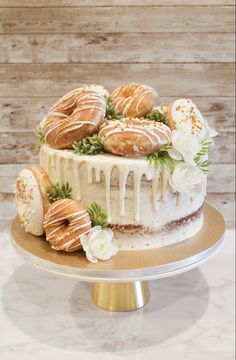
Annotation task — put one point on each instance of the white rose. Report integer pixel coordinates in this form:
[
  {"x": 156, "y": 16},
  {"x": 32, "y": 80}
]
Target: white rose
[
  {"x": 98, "y": 244},
  {"x": 185, "y": 176},
  {"x": 185, "y": 145}
]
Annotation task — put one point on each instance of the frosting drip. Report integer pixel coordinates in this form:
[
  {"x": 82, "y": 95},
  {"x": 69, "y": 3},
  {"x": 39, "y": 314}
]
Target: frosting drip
[{"x": 108, "y": 168}]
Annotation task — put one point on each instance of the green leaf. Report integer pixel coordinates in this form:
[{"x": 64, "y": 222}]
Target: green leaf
[
  {"x": 205, "y": 147},
  {"x": 97, "y": 215},
  {"x": 203, "y": 165},
  {"x": 161, "y": 159},
  {"x": 58, "y": 192},
  {"x": 91, "y": 145},
  {"x": 111, "y": 113},
  {"x": 157, "y": 116},
  {"x": 41, "y": 136}
]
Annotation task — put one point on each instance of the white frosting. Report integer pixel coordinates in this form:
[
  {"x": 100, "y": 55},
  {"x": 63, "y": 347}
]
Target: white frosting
[
  {"x": 183, "y": 111},
  {"x": 130, "y": 190},
  {"x": 29, "y": 202}
]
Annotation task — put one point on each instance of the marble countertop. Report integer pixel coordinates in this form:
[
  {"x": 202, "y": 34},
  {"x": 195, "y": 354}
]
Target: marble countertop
[{"x": 190, "y": 316}]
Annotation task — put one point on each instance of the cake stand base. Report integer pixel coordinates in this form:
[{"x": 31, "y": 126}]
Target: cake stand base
[
  {"x": 125, "y": 296},
  {"x": 121, "y": 283}
]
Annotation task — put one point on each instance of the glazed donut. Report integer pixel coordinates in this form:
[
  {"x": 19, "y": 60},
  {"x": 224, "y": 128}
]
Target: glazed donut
[
  {"x": 31, "y": 198},
  {"x": 134, "y": 137},
  {"x": 134, "y": 100},
  {"x": 65, "y": 222},
  {"x": 76, "y": 115},
  {"x": 184, "y": 111}
]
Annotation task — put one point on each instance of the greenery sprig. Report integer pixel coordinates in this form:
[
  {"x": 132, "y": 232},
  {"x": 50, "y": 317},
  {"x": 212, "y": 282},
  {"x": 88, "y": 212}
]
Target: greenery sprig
[
  {"x": 111, "y": 113},
  {"x": 201, "y": 163},
  {"x": 58, "y": 192},
  {"x": 157, "y": 116},
  {"x": 97, "y": 215},
  {"x": 41, "y": 136},
  {"x": 91, "y": 145},
  {"x": 161, "y": 159}
]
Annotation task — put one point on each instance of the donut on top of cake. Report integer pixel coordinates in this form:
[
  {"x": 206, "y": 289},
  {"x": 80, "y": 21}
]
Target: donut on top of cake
[
  {"x": 134, "y": 137},
  {"x": 134, "y": 100},
  {"x": 76, "y": 115}
]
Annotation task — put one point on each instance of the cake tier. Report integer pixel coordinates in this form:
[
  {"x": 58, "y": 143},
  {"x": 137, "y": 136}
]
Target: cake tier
[{"x": 141, "y": 207}]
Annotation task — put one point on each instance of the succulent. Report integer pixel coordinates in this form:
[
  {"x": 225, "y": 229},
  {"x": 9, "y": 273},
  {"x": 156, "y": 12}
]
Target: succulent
[
  {"x": 157, "y": 116},
  {"x": 41, "y": 135},
  {"x": 91, "y": 145},
  {"x": 111, "y": 113},
  {"x": 58, "y": 192},
  {"x": 97, "y": 215}
]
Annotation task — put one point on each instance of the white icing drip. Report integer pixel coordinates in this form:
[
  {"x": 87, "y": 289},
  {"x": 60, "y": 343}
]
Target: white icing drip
[
  {"x": 164, "y": 183},
  {"x": 155, "y": 183},
  {"x": 97, "y": 174},
  {"x": 105, "y": 164},
  {"x": 123, "y": 174},
  {"x": 107, "y": 174},
  {"x": 68, "y": 164},
  {"x": 59, "y": 169},
  {"x": 53, "y": 161},
  {"x": 90, "y": 173},
  {"x": 137, "y": 175},
  {"x": 76, "y": 171}
]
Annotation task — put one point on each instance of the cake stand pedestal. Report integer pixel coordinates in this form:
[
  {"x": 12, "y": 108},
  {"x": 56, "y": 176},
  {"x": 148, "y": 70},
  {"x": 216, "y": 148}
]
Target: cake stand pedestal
[{"x": 121, "y": 283}]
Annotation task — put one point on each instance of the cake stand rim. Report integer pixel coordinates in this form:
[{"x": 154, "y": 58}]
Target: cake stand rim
[{"x": 128, "y": 275}]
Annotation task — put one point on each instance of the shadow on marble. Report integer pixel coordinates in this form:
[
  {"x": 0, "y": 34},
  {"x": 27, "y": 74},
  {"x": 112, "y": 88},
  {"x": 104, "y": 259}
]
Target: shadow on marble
[{"x": 58, "y": 312}]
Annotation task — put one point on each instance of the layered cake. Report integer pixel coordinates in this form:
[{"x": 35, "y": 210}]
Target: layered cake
[{"x": 126, "y": 172}]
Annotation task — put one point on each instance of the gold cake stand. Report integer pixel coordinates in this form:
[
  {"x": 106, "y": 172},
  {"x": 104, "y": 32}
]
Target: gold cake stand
[{"x": 121, "y": 283}]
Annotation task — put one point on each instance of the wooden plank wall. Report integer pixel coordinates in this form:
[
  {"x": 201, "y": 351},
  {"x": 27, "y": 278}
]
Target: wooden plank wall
[{"x": 183, "y": 48}]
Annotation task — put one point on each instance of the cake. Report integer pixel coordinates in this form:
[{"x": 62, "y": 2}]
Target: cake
[{"x": 142, "y": 163}]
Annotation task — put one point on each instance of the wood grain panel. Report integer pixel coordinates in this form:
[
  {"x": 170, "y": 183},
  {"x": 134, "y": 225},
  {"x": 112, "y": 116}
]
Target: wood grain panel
[
  {"x": 169, "y": 79},
  {"x": 110, "y": 48},
  {"x": 23, "y": 114},
  {"x": 18, "y": 148},
  {"x": 220, "y": 177},
  {"x": 117, "y": 19},
  {"x": 68, "y": 3}
]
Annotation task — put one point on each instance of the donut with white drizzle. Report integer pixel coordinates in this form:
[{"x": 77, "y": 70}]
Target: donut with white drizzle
[
  {"x": 134, "y": 100},
  {"x": 76, "y": 115},
  {"x": 65, "y": 222},
  {"x": 31, "y": 199},
  {"x": 134, "y": 137}
]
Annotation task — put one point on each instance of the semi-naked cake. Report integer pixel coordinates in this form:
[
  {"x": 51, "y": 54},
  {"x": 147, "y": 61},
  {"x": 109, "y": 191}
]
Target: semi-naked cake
[
  {"x": 135, "y": 168},
  {"x": 142, "y": 208}
]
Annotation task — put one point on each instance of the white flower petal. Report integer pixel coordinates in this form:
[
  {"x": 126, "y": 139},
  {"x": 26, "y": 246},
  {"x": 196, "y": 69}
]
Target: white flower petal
[
  {"x": 98, "y": 244},
  {"x": 174, "y": 154},
  {"x": 185, "y": 176},
  {"x": 213, "y": 133},
  {"x": 91, "y": 257},
  {"x": 84, "y": 241}
]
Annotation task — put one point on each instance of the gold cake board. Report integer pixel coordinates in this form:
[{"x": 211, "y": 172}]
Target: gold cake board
[{"x": 121, "y": 283}]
